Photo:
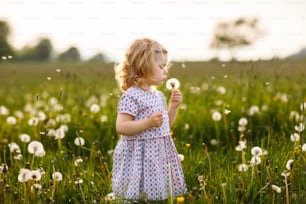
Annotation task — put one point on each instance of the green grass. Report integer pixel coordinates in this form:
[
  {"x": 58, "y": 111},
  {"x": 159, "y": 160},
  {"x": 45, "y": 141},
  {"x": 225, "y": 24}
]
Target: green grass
[{"x": 51, "y": 91}]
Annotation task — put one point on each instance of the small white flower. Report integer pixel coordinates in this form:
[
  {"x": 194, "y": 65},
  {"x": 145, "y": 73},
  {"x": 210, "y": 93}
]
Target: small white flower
[
  {"x": 289, "y": 164},
  {"x": 276, "y": 188},
  {"x": 172, "y": 84},
  {"x": 11, "y": 120},
  {"x": 243, "y": 167},
  {"x": 243, "y": 122},
  {"x": 300, "y": 127},
  {"x": 78, "y": 181},
  {"x": 295, "y": 137},
  {"x": 79, "y": 141},
  {"x": 36, "y": 148},
  {"x": 216, "y": 116},
  {"x": 256, "y": 160},
  {"x": 241, "y": 146},
  {"x": 57, "y": 176},
  {"x": 180, "y": 157},
  {"x": 256, "y": 151},
  {"x": 94, "y": 108},
  {"x": 25, "y": 138},
  {"x": 35, "y": 175},
  {"x": 304, "y": 147},
  {"x": 24, "y": 175},
  {"x": 110, "y": 197}
]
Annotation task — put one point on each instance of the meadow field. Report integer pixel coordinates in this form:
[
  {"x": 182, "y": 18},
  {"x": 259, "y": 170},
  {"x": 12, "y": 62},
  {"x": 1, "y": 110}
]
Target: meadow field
[{"x": 240, "y": 132}]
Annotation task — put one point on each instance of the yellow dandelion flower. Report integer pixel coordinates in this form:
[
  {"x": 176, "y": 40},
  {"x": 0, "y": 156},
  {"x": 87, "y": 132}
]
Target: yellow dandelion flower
[
  {"x": 187, "y": 145},
  {"x": 180, "y": 199}
]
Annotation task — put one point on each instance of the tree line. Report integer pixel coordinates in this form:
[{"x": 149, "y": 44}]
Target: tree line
[{"x": 42, "y": 51}]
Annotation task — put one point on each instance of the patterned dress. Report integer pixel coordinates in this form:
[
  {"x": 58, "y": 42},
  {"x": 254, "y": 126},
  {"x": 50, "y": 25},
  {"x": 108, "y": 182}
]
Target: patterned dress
[{"x": 146, "y": 164}]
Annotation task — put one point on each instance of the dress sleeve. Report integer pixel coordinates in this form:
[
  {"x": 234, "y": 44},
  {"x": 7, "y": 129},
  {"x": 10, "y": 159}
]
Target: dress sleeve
[{"x": 128, "y": 104}]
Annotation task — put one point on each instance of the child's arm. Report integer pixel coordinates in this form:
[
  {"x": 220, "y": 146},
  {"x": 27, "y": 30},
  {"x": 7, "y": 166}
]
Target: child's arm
[
  {"x": 175, "y": 100},
  {"x": 126, "y": 125}
]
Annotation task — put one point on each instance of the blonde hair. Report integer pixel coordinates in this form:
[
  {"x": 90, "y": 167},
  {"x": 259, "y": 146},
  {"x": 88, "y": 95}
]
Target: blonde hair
[{"x": 138, "y": 62}]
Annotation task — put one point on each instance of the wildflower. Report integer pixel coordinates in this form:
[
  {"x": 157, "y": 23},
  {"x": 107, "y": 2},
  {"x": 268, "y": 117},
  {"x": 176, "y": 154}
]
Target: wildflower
[
  {"x": 172, "y": 84},
  {"x": 104, "y": 118},
  {"x": 25, "y": 138},
  {"x": 11, "y": 120},
  {"x": 110, "y": 197},
  {"x": 57, "y": 176},
  {"x": 304, "y": 147},
  {"x": 24, "y": 175},
  {"x": 181, "y": 157},
  {"x": 253, "y": 110},
  {"x": 216, "y": 116},
  {"x": 243, "y": 167},
  {"x": 242, "y": 146},
  {"x": 4, "y": 110},
  {"x": 79, "y": 141},
  {"x": 187, "y": 145},
  {"x": 256, "y": 151},
  {"x": 78, "y": 181},
  {"x": 35, "y": 175},
  {"x": 94, "y": 108},
  {"x": 289, "y": 164},
  {"x": 300, "y": 127},
  {"x": 221, "y": 90},
  {"x": 243, "y": 121},
  {"x": 276, "y": 188},
  {"x": 59, "y": 133},
  {"x": 36, "y": 148},
  {"x": 180, "y": 199},
  {"x": 14, "y": 147},
  {"x": 3, "y": 169},
  {"x": 295, "y": 137},
  {"x": 36, "y": 187},
  {"x": 256, "y": 160},
  {"x": 78, "y": 161},
  {"x": 33, "y": 121}
]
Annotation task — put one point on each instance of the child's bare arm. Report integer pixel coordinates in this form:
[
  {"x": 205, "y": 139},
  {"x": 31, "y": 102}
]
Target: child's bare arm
[{"x": 126, "y": 125}]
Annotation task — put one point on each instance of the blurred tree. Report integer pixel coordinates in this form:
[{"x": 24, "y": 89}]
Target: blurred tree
[
  {"x": 5, "y": 48},
  {"x": 42, "y": 51},
  {"x": 70, "y": 55},
  {"x": 100, "y": 57},
  {"x": 235, "y": 34}
]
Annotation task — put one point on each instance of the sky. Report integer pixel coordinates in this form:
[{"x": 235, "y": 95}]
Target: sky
[{"x": 184, "y": 27}]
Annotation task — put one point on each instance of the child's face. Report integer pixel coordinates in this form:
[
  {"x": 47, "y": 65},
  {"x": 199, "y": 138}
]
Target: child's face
[{"x": 159, "y": 72}]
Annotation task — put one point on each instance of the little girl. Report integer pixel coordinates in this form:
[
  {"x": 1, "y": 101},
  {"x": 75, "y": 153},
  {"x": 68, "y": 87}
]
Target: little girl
[{"x": 145, "y": 161}]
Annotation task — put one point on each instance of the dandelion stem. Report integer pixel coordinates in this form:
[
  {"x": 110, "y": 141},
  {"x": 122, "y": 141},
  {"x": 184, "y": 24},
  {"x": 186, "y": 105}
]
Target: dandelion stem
[
  {"x": 83, "y": 195},
  {"x": 287, "y": 190}
]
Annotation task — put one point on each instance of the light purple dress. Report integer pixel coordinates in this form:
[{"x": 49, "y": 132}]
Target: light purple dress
[{"x": 147, "y": 163}]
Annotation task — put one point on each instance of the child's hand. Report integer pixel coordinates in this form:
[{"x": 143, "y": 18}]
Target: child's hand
[
  {"x": 156, "y": 119},
  {"x": 176, "y": 98}
]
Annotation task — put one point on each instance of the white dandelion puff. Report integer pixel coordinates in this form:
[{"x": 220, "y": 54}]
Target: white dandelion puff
[
  {"x": 25, "y": 138},
  {"x": 36, "y": 148},
  {"x": 289, "y": 164},
  {"x": 276, "y": 188},
  {"x": 57, "y": 176},
  {"x": 24, "y": 175},
  {"x": 243, "y": 167},
  {"x": 216, "y": 116},
  {"x": 256, "y": 151},
  {"x": 172, "y": 84},
  {"x": 180, "y": 157},
  {"x": 295, "y": 137},
  {"x": 94, "y": 108},
  {"x": 79, "y": 141}
]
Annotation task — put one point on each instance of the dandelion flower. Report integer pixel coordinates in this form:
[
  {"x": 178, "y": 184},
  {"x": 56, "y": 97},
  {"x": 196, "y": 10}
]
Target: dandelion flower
[
  {"x": 172, "y": 84},
  {"x": 180, "y": 199},
  {"x": 216, "y": 116},
  {"x": 94, "y": 108},
  {"x": 289, "y": 164},
  {"x": 295, "y": 137},
  {"x": 25, "y": 138},
  {"x": 78, "y": 161},
  {"x": 14, "y": 147},
  {"x": 243, "y": 167},
  {"x": 300, "y": 127},
  {"x": 79, "y": 141},
  {"x": 243, "y": 121},
  {"x": 304, "y": 147},
  {"x": 35, "y": 175},
  {"x": 276, "y": 188},
  {"x": 221, "y": 90},
  {"x": 104, "y": 118},
  {"x": 11, "y": 120},
  {"x": 110, "y": 197},
  {"x": 256, "y": 160},
  {"x": 303, "y": 106},
  {"x": 33, "y": 121},
  {"x": 36, "y": 148},
  {"x": 256, "y": 151},
  {"x": 24, "y": 175},
  {"x": 36, "y": 187},
  {"x": 181, "y": 157},
  {"x": 78, "y": 181},
  {"x": 57, "y": 176},
  {"x": 4, "y": 110},
  {"x": 59, "y": 133},
  {"x": 285, "y": 173},
  {"x": 241, "y": 146}
]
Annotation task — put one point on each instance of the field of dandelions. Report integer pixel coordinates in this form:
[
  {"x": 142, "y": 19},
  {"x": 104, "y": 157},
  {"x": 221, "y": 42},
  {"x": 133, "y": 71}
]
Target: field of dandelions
[{"x": 239, "y": 132}]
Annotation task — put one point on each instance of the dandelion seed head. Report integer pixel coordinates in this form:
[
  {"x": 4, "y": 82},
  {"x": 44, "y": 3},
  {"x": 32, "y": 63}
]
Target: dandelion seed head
[
  {"x": 24, "y": 175},
  {"x": 216, "y": 116},
  {"x": 94, "y": 108},
  {"x": 256, "y": 160},
  {"x": 172, "y": 84},
  {"x": 256, "y": 151},
  {"x": 300, "y": 127},
  {"x": 304, "y": 147},
  {"x": 181, "y": 157},
  {"x": 79, "y": 141},
  {"x": 36, "y": 148},
  {"x": 289, "y": 164},
  {"x": 243, "y": 121},
  {"x": 243, "y": 167},
  {"x": 25, "y": 138},
  {"x": 295, "y": 137},
  {"x": 11, "y": 120},
  {"x": 57, "y": 176},
  {"x": 276, "y": 188},
  {"x": 49, "y": 78},
  {"x": 4, "y": 110}
]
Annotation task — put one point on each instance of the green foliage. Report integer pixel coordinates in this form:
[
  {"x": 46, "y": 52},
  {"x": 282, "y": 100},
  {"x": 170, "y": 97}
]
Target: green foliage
[{"x": 268, "y": 94}]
